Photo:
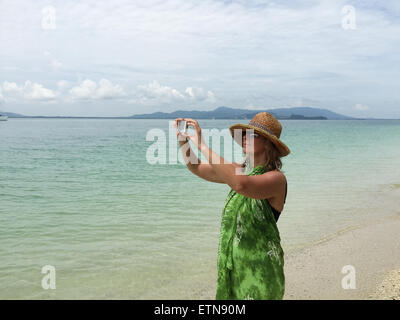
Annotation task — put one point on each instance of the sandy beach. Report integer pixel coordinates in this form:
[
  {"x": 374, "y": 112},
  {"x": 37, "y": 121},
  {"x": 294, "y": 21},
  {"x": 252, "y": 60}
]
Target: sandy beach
[{"x": 315, "y": 272}]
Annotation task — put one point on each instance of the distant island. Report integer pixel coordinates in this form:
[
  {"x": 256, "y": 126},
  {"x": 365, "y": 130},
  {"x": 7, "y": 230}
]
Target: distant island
[{"x": 296, "y": 113}]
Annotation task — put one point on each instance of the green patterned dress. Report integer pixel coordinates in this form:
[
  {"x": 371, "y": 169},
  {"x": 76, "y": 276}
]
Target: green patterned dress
[{"x": 250, "y": 257}]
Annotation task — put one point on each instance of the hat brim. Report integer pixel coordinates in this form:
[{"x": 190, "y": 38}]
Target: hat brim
[{"x": 282, "y": 148}]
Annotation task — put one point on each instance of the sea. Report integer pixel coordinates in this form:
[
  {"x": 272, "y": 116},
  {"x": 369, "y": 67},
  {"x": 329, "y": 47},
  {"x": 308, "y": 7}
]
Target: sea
[{"x": 106, "y": 209}]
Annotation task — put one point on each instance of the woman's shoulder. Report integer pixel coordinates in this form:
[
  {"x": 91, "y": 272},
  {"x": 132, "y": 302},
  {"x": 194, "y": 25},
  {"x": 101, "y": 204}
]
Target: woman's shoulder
[
  {"x": 277, "y": 173},
  {"x": 281, "y": 174},
  {"x": 278, "y": 176}
]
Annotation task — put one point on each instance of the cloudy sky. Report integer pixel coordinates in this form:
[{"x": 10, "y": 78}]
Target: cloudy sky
[{"x": 118, "y": 58}]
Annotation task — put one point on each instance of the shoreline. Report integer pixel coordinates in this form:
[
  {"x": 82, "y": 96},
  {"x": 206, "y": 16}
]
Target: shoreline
[
  {"x": 293, "y": 249},
  {"x": 315, "y": 270}
]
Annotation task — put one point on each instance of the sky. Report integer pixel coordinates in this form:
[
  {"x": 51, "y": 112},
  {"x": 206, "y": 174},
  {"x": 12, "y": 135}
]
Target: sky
[{"x": 119, "y": 58}]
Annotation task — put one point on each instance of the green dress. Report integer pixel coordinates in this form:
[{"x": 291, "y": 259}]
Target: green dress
[{"x": 250, "y": 257}]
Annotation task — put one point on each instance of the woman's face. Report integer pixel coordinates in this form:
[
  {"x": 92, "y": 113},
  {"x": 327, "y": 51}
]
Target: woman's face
[{"x": 253, "y": 143}]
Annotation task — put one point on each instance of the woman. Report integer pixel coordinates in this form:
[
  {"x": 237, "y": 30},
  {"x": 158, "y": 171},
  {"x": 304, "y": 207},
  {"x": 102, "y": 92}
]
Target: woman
[{"x": 250, "y": 257}]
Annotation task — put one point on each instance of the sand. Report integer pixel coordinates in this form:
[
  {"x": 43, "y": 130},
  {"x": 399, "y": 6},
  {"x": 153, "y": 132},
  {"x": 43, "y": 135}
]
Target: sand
[
  {"x": 314, "y": 272},
  {"x": 389, "y": 289},
  {"x": 373, "y": 250}
]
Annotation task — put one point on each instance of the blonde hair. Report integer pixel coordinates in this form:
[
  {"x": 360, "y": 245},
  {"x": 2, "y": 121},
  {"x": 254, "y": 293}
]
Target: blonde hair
[{"x": 273, "y": 161}]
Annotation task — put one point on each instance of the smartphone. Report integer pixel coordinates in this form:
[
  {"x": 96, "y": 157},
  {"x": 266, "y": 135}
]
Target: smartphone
[{"x": 182, "y": 126}]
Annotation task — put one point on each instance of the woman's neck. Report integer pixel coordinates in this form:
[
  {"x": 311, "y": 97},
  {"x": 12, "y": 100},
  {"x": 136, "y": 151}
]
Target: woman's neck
[{"x": 256, "y": 160}]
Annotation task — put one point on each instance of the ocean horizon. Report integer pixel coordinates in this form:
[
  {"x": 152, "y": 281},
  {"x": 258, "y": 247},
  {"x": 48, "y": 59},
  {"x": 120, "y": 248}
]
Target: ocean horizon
[{"x": 81, "y": 195}]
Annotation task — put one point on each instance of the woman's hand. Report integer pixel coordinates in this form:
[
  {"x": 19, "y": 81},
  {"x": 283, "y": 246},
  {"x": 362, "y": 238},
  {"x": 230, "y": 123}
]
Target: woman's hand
[
  {"x": 196, "y": 138},
  {"x": 180, "y": 135}
]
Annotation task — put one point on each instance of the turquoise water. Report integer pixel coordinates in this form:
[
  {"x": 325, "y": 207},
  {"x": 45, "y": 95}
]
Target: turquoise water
[{"x": 81, "y": 196}]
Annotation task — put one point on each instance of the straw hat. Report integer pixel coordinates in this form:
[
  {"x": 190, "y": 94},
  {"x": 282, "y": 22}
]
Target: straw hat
[{"x": 266, "y": 125}]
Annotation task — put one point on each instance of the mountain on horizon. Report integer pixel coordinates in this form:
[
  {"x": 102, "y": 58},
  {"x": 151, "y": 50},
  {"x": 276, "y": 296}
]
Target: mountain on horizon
[
  {"x": 222, "y": 112},
  {"x": 232, "y": 113},
  {"x": 12, "y": 115}
]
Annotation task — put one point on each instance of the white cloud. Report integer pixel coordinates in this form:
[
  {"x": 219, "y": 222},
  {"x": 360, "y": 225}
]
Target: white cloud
[
  {"x": 199, "y": 94},
  {"x": 36, "y": 91},
  {"x": 155, "y": 91},
  {"x": 89, "y": 89},
  {"x": 361, "y": 107},
  {"x": 86, "y": 90},
  {"x": 11, "y": 87},
  {"x": 29, "y": 91},
  {"x": 107, "y": 90},
  {"x": 164, "y": 94}
]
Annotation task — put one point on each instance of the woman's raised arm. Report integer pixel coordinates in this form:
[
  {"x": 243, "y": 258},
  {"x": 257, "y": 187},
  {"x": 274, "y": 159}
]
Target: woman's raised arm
[{"x": 201, "y": 169}]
